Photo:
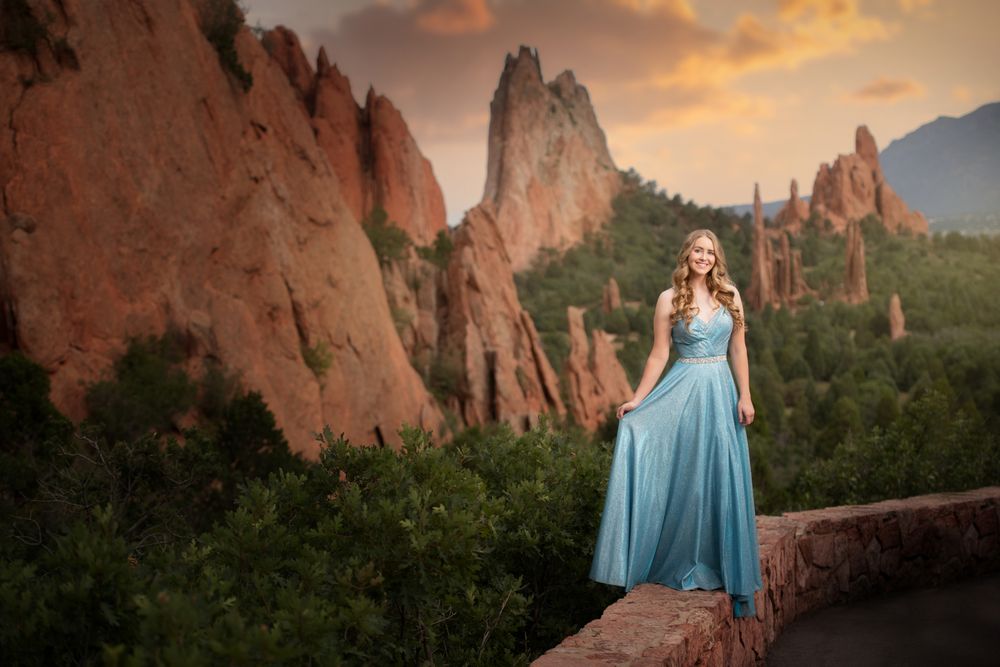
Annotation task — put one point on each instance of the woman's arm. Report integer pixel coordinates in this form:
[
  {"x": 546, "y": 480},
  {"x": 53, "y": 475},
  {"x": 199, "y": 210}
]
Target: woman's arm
[
  {"x": 741, "y": 367},
  {"x": 658, "y": 355}
]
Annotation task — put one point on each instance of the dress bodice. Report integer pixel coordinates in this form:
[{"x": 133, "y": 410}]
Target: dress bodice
[{"x": 703, "y": 339}]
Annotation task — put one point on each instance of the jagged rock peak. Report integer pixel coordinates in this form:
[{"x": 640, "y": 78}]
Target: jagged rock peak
[
  {"x": 283, "y": 45},
  {"x": 322, "y": 62},
  {"x": 377, "y": 161},
  {"x": 299, "y": 280},
  {"x": 526, "y": 61},
  {"x": 549, "y": 173},
  {"x": 865, "y": 146},
  {"x": 761, "y": 276},
  {"x": 758, "y": 207},
  {"x": 855, "y": 187},
  {"x": 776, "y": 276},
  {"x": 794, "y": 213}
]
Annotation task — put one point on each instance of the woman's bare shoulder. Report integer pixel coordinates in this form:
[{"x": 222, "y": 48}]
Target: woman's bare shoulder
[{"x": 665, "y": 302}]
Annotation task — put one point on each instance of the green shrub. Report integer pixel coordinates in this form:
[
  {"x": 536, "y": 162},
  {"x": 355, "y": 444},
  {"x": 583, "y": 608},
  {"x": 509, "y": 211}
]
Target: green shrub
[
  {"x": 221, "y": 21},
  {"x": 318, "y": 358},
  {"x": 439, "y": 252},
  {"x": 389, "y": 241},
  {"x": 934, "y": 445},
  {"x": 147, "y": 393}
]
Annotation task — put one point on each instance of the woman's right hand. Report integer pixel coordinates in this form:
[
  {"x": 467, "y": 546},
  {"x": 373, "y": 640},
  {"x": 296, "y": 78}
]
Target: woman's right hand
[{"x": 626, "y": 407}]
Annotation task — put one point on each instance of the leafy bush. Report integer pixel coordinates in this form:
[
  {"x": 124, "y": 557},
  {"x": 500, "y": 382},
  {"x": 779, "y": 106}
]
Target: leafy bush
[
  {"x": 389, "y": 241},
  {"x": 318, "y": 358},
  {"x": 149, "y": 390},
  {"x": 221, "y": 21},
  {"x": 934, "y": 445},
  {"x": 439, "y": 252}
]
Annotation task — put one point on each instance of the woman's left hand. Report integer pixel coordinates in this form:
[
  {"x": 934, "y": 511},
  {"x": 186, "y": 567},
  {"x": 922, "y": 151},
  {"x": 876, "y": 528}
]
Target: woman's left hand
[{"x": 745, "y": 410}]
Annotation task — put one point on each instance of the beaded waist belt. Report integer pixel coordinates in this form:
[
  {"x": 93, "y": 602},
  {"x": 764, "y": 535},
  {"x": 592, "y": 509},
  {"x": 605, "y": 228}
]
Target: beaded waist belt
[{"x": 701, "y": 360}]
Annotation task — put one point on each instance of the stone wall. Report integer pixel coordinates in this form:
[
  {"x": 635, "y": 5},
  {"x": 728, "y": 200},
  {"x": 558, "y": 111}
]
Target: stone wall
[{"x": 809, "y": 560}]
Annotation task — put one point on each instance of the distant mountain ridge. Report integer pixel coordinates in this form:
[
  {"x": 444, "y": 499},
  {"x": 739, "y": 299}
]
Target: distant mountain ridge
[
  {"x": 950, "y": 166},
  {"x": 771, "y": 208},
  {"x": 947, "y": 167}
]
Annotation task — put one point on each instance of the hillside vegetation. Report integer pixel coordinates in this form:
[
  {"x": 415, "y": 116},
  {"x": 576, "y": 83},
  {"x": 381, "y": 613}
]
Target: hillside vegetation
[
  {"x": 844, "y": 414},
  {"x": 134, "y": 538}
]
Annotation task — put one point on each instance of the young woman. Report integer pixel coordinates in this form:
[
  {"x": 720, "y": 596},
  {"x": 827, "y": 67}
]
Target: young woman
[{"x": 679, "y": 509}]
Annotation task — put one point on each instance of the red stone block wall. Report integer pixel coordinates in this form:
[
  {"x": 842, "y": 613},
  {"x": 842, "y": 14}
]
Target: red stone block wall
[{"x": 809, "y": 560}]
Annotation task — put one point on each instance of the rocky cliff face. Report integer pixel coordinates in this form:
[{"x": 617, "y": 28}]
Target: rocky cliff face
[
  {"x": 215, "y": 212},
  {"x": 855, "y": 278},
  {"x": 854, "y": 187},
  {"x": 505, "y": 375},
  {"x": 375, "y": 157},
  {"x": 549, "y": 174},
  {"x": 597, "y": 381}
]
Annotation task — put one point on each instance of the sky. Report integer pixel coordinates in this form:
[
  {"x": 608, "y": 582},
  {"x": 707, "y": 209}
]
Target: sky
[{"x": 706, "y": 97}]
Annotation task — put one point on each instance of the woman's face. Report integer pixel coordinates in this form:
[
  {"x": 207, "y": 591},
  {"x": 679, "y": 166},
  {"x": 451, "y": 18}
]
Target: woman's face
[{"x": 701, "y": 259}]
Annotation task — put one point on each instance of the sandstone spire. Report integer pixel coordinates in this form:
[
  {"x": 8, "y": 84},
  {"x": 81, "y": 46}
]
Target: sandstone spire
[
  {"x": 794, "y": 213},
  {"x": 226, "y": 220},
  {"x": 549, "y": 174},
  {"x": 897, "y": 322},
  {"x": 611, "y": 296},
  {"x": 596, "y": 379},
  {"x": 855, "y": 281},
  {"x": 761, "y": 277},
  {"x": 776, "y": 275},
  {"x": 855, "y": 187}
]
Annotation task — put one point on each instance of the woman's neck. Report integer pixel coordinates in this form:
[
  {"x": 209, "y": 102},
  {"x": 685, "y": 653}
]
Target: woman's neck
[{"x": 698, "y": 284}]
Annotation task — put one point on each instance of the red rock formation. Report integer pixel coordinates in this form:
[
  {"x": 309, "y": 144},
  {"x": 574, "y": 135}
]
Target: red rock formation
[
  {"x": 897, "y": 322},
  {"x": 549, "y": 174},
  {"x": 596, "y": 379},
  {"x": 415, "y": 292},
  {"x": 215, "y": 212},
  {"x": 611, "y": 296},
  {"x": 403, "y": 179},
  {"x": 284, "y": 47},
  {"x": 761, "y": 290},
  {"x": 793, "y": 214},
  {"x": 776, "y": 277},
  {"x": 505, "y": 375},
  {"x": 337, "y": 123},
  {"x": 855, "y": 280},
  {"x": 371, "y": 149},
  {"x": 855, "y": 187}
]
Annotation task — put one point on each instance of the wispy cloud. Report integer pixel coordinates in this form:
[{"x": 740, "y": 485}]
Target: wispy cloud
[
  {"x": 884, "y": 90},
  {"x": 454, "y": 17}
]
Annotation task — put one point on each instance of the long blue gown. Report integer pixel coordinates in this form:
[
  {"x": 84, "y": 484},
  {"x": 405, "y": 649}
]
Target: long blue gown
[{"x": 679, "y": 509}]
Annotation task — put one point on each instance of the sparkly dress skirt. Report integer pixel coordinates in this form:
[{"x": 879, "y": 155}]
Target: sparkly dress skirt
[{"x": 679, "y": 509}]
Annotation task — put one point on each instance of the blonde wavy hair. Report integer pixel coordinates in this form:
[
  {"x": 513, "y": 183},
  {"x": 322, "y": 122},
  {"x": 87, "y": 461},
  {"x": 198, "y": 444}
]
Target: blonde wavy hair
[{"x": 719, "y": 285}]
